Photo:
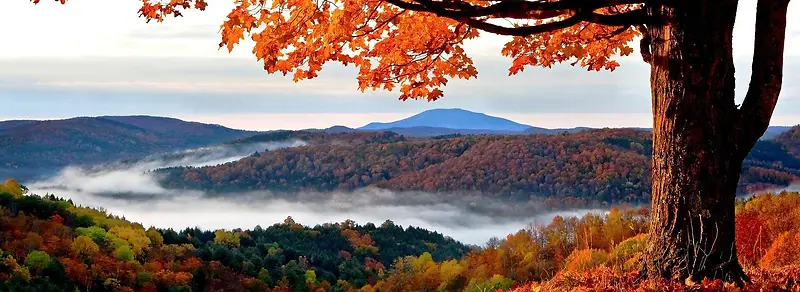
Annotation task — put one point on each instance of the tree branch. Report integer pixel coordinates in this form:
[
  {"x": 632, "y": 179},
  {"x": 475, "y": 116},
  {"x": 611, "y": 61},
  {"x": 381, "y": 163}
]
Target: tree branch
[
  {"x": 767, "y": 75},
  {"x": 521, "y": 7},
  {"x": 629, "y": 18},
  {"x": 644, "y": 44},
  {"x": 623, "y": 19},
  {"x": 583, "y": 10},
  {"x": 524, "y": 30}
]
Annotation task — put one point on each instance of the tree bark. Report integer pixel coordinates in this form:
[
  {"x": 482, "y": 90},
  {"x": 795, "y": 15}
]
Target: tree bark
[{"x": 700, "y": 135}]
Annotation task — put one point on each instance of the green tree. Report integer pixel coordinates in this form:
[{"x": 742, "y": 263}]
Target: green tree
[
  {"x": 96, "y": 233},
  {"x": 124, "y": 253},
  {"x": 264, "y": 276},
  {"x": 37, "y": 260}
]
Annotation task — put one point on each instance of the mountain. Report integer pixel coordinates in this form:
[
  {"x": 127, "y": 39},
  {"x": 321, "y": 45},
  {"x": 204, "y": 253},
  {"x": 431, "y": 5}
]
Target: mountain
[
  {"x": 452, "y": 119},
  {"x": 422, "y": 132},
  {"x": 425, "y": 132},
  {"x": 605, "y": 165},
  {"x": 39, "y": 145},
  {"x": 5, "y": 125},
  {"x": 202, "y": 133}
]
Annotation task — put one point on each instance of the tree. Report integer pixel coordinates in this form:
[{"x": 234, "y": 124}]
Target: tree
[
  {"x": 37, "y": 260},
  {"x": 311, "y": 277},
  {"x": 124, "y": 253},
  {"x": 84, "y": 247},
  {"x": 12, "y": 187},
  {"x": 229, "y": 239},
  {"x": 701, "y": 136},
  {"x": 137, "y": 237},
  {"x": 97, "y": 234},
  {"x": 155, "y": 237}
]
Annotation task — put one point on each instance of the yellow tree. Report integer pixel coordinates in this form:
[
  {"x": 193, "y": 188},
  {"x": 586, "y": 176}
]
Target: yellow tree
[
  {"x": 12, "y": 187},
  {"x": 700, "y": 135},
  {"x": 136, "y": 237},
  {"x": 84, "y": 247}
]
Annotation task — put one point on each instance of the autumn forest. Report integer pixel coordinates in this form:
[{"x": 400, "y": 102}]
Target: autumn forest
[
  {"x": 49, "y": 243},
  {"x": 704, "y": 198}
]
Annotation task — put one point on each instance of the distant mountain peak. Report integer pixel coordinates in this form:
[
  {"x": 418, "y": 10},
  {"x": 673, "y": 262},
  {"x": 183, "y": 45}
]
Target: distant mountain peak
[{"x": 452, "y": 118}]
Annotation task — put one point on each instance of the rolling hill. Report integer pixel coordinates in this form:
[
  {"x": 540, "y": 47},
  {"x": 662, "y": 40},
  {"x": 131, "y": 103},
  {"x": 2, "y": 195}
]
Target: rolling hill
[
  {"x": 37, "y": 145},
  {"x": 774, "y": 131},
  {"x": 609, "y": 165},
  {"x": 790, "y": 139}
]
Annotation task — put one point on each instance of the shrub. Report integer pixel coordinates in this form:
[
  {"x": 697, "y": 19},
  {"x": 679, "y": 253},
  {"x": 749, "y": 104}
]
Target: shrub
[
  {"x": 585, "y": 259},
  {"x": 628, "y": 252},
  {"x": 783, "y": 251}
]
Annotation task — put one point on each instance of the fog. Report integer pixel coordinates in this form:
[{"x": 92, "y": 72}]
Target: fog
[
  {"x": 248, "y": 210},
  {"x": 131, "y": 189},
  {"x": 795, "y": 187},
  {"x": 136, "y": 176}
]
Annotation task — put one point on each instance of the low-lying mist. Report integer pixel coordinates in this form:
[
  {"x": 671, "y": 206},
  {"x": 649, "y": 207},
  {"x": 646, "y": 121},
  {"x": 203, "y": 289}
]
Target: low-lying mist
[
  {"x": 132, "y": 190},
  {"x": 795, "y": 187},
  {"x": 136, "y": 176},
  {"x": 259, "y": 208}
]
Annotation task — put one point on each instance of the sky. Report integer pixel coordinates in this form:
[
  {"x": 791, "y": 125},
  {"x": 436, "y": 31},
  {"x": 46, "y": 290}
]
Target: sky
[{"x": 96, "y": 57}]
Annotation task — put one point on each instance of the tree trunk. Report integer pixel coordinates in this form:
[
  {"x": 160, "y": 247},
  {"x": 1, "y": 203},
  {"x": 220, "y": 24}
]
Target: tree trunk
[{"x": 700, "y": 138}]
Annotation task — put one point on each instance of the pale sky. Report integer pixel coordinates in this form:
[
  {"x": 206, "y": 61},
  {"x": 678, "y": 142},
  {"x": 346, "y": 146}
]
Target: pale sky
[{"x": 96, "y": 57}]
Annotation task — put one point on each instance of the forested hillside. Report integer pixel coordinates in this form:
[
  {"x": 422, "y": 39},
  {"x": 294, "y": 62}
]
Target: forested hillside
[
  {"x": 791, "y": 140},
  {"x": 48, "y": 244},
  {"x": 345, "y": 138},
  {"x": 609, "y": 165},
  {"x": 89, "y": 140}
]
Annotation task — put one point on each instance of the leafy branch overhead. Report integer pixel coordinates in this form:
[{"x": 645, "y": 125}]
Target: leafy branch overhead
[{"x": 417, "y": 46}]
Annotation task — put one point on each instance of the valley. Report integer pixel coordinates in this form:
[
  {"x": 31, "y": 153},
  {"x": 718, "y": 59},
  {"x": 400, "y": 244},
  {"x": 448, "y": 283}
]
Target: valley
[{"x": 257, "y": 210}]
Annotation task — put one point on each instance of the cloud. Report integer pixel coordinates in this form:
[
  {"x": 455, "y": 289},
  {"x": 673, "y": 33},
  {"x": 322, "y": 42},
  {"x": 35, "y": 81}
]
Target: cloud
[
  {"x": 225, "y": 85},
  {"x": 126, "y": 66},
  {"x": 238, "y": 85}
]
